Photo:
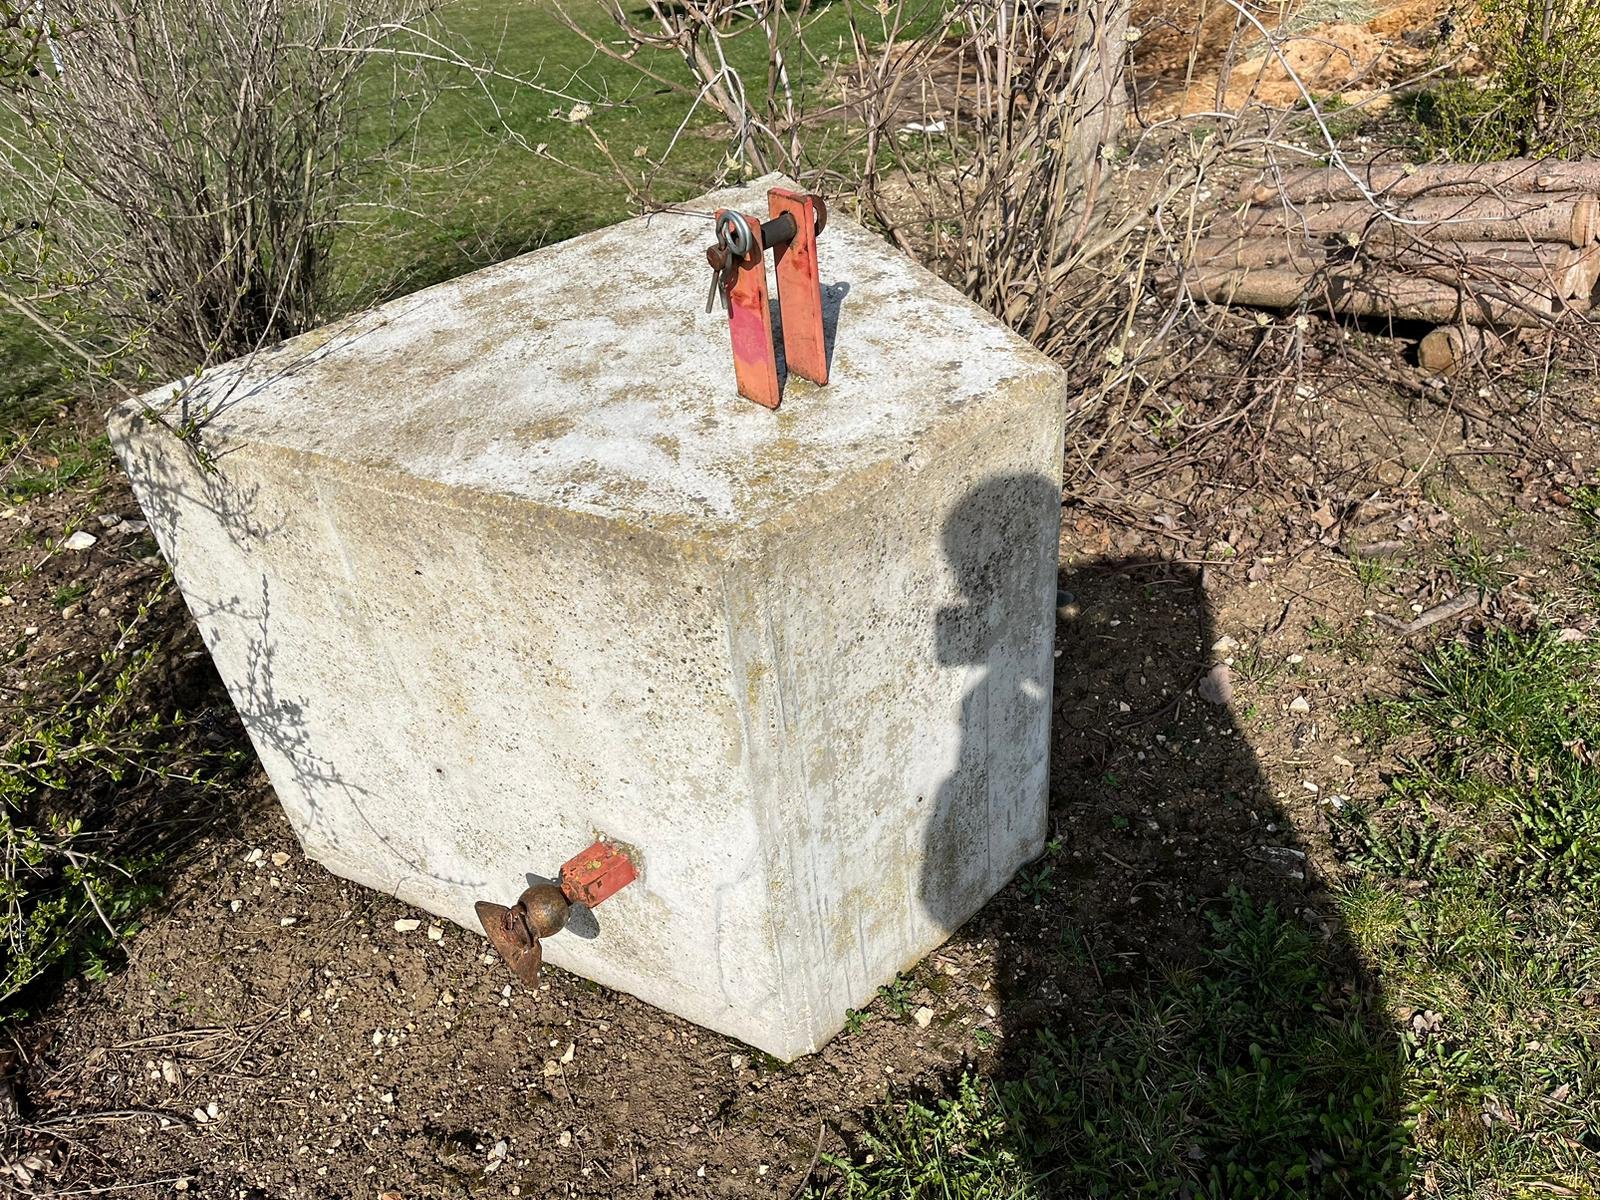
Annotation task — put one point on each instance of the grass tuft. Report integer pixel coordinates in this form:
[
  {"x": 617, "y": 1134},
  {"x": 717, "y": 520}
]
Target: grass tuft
[{"x": 1252, "y": 1072}]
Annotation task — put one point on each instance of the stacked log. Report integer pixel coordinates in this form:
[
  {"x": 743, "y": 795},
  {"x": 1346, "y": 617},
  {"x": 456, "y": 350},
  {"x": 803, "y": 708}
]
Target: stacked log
[
  {"x": 1400, "y": 181},
  {"x": 1482, "y": 246}
]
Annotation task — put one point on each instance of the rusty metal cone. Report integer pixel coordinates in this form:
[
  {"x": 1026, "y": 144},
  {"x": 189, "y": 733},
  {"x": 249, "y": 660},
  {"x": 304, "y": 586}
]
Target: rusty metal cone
[{"x": 508, "y": 932}]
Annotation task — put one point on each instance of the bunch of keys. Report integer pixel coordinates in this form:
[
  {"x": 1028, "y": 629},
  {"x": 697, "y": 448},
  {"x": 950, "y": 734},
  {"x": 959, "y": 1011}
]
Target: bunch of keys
[
  {"x": 739, "y": 275},
  {"x": 734, "y": 241}
]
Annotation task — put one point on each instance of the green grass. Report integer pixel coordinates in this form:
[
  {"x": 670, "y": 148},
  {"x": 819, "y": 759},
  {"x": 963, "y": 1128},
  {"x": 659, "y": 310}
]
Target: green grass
[
  {"x": 1354, "y": 640},
  {"x": 41, "y": 449},
  {"x": 1374, "y": 573},
  {"x": 69, "y": 594},
  {"x": 476, "y": 192},
  {"x": 1584, "y": 548},
  {"x": 1500, "y": 826},
  {"x": 1472, "y": 564},
  {"x": 1471, "y": 896},
  {"x": 1248, "y": 1073},
  {"x": 1375, "y": 721}
]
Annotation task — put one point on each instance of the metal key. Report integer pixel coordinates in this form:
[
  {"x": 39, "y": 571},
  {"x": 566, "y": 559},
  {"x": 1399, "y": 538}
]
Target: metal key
[{"x": 721, "y": 267}]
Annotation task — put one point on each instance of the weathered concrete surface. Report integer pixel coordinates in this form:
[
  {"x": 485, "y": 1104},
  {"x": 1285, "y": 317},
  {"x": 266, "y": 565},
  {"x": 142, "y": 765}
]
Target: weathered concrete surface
[{"x": 506, "y": 564}]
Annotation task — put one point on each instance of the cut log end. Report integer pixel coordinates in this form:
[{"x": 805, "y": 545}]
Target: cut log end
[{"x": 1446, "y": 350}]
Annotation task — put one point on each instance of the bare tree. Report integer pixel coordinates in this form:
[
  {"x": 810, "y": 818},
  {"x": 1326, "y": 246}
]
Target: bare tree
[{"x": 183, "y": 172}]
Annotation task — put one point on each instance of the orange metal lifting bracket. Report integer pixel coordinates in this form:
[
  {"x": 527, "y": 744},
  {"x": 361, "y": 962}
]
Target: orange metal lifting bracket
[
  {"x": 515, "y": 930},
  {"x": 738, "y": 263}
]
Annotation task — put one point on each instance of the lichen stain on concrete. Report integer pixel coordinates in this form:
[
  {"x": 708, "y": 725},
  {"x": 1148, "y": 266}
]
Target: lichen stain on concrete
[
  {"x": 546, "y": 429},
  {"x": 755, "y": 677}
]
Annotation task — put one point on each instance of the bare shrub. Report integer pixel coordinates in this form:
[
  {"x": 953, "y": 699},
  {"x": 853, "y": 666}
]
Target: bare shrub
[
  {"x": 977, "y": 135},
  {"x": 182, "y": 170},
  {"x": 991, "y": 157}
]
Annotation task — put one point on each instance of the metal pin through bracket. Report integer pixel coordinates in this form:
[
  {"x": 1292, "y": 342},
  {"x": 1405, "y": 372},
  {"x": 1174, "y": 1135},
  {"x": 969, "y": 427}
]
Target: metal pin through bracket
[{"x": 739, "y": 275}]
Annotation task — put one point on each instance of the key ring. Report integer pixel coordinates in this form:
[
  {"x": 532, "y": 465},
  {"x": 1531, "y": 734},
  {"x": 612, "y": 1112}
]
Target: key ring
[
  {"x": 735, "y": 241},
  {"x": 733, "y": 231}
]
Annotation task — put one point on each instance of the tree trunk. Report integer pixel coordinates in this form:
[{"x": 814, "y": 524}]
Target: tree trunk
[{"x": 1099, "y": 41}]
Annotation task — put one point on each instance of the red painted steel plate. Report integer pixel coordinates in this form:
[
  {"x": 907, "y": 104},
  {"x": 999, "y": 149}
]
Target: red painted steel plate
[
  {"x": 755, "y": 361},
  {"x": 800, "y": 287}
]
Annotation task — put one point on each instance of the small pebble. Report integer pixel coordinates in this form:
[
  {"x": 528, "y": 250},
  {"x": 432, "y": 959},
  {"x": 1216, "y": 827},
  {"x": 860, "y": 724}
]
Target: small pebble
[{"x": 1216, "y": 686}]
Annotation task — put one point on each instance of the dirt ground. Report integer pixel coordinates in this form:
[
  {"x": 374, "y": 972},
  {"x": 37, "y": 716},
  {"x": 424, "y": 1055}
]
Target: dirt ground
[
  {"x": 273, "y": 1032},
  {"x": 1225, "y": 603}
]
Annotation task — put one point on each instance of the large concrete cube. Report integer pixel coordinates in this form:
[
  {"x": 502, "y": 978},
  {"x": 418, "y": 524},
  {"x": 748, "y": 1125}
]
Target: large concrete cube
[{"x": 506, "y": 565}]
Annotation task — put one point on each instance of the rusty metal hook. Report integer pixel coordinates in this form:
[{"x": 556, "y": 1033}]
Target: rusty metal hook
[
  {"x": 542, "y": 910},
  {"x": 514, "y": 932}
]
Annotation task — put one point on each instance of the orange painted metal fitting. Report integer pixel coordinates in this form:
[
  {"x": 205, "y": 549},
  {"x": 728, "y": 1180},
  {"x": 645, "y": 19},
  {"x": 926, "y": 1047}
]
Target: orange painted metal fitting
[
  {"x": 597, "y": 874},
  {"x": 739, "y": 266},
  {"x": 515, "y": 930}
]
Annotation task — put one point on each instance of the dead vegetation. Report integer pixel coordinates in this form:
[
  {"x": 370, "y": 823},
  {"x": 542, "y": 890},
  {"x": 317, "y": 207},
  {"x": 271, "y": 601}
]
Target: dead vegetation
[{"x": 179, "y": 169}]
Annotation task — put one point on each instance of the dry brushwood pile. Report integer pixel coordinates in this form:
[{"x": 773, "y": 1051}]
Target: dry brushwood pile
[{"x": 1476, "y": 249}]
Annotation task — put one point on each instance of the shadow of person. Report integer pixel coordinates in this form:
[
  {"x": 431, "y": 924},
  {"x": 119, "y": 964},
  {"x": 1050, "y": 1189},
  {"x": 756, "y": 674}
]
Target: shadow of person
[
  {"x": 988, "y": 813},
  {"x": 1179, "y": 1012}
]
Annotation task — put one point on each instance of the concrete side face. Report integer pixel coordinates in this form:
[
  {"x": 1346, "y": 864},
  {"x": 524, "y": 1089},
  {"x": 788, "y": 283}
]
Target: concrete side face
[
  {"x": 896, "y": 669},
  {"x": 450, "y": 694}
]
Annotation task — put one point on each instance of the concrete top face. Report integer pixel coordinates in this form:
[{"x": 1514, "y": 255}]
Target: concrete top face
[{"x": 588, "y": 376}]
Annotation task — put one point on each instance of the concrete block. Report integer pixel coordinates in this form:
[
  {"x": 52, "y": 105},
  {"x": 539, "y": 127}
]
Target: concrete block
[{"x": 505, "y": 565}]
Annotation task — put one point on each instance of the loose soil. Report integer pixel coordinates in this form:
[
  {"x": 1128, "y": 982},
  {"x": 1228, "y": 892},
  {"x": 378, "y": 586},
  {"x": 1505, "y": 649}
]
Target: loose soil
[{"x": 273, "y": 1034}]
